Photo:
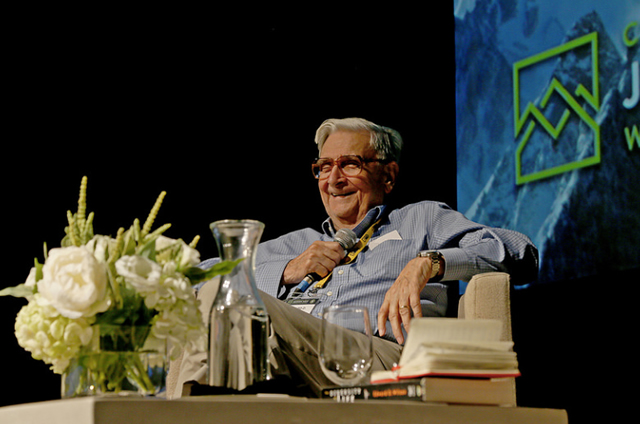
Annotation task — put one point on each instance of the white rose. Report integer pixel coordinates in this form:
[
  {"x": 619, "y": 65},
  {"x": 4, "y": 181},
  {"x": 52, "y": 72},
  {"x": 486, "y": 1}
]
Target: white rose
[
  {"x": 74, "y": 283},
  {"x": 142, "y": 273}
]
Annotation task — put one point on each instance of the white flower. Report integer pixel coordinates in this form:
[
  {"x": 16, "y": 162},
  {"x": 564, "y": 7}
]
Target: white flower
[
  {"x": 182, "y": 326},
  {"x": 142, "y": 273},
  {"x": 74, "y": 283},
  {"x": 190, "y": 256},
  {"x": 51, "y": 337},
  {"x": 31, "y": 278},
  {"x": 100, "y": 246},
  {"x": 170, "y": 293}
]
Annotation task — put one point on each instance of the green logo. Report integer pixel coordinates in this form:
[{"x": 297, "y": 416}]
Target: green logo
[{"x": 534, "y": 116}]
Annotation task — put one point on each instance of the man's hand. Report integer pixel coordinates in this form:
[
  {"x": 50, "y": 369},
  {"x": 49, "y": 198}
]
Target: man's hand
[
  {"x": 319, "y": 258},
  {"x": 403, "y": 297}
]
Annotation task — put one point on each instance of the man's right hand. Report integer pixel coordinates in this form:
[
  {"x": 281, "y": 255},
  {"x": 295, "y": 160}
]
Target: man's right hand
[{"x": 319, "y": 258}]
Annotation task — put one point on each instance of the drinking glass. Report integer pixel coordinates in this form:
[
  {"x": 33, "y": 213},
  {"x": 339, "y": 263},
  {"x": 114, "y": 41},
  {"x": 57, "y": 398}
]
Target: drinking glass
[{"x": 345, "y": 349}]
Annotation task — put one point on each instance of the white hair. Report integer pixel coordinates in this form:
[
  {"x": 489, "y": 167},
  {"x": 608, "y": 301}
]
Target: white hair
[{"x": 385, "y": 141}]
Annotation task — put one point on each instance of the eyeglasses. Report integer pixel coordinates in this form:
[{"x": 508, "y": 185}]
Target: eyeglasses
[{"x": 349, "y": 165}]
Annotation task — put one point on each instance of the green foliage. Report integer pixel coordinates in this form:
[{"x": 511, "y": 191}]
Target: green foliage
[
  {"x": 131, "y": 311},
  {"x": 21, "y": 290},
  {"x": 197, "y": 275}
]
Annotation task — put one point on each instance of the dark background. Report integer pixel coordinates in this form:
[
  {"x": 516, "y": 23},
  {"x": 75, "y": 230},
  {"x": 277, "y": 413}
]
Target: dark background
[{"x": 219, "y": 109}]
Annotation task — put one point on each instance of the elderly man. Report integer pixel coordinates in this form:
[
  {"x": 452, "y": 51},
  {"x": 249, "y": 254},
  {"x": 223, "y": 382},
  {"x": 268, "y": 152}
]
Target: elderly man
[{"x": 397, "y": 275}]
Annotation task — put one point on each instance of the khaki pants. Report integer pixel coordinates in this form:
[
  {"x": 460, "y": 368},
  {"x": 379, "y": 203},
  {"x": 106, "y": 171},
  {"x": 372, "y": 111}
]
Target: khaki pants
[{"x": 293, "y": 344}]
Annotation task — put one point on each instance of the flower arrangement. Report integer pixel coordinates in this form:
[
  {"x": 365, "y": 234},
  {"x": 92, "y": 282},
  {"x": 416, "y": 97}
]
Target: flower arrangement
[{"x": 138, "y": 278}]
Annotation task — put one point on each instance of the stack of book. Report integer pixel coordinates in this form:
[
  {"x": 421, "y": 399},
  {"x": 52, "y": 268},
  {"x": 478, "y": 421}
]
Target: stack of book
[{"x": 445, "y": 360}]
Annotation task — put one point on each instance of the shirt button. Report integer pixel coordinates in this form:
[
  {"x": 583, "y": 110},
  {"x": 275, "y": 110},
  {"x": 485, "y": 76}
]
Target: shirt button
[
  {"x": 340, "y": 272},
  {"x": 329, "y": 293}
]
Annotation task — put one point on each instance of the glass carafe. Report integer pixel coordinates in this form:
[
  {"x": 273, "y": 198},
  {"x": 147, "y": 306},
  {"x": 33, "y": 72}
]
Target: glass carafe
[{"x": 238, "y": 319}]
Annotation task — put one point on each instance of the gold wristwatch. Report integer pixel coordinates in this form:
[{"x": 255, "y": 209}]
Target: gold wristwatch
[{"x": 436, "y": 261}]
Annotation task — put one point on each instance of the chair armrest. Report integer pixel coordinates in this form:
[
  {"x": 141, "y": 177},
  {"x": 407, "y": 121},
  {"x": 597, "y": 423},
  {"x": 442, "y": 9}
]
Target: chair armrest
[{"x": 488, "y": 296}]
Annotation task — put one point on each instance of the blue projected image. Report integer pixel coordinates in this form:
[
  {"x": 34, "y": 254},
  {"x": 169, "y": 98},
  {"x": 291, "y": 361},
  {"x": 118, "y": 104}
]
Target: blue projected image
[{"x": 547, "y": 127}]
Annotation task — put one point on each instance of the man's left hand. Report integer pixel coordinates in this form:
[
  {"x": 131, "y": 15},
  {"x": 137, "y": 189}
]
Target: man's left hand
[{"x": 403, "y": 298}]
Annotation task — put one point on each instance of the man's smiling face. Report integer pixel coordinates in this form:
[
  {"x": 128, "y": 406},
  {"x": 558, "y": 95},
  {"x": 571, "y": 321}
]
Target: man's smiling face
[{"x": 348, "y": 199}]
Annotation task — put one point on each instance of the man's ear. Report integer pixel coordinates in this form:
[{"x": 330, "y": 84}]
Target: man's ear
[{"x": 391, "y": 173}]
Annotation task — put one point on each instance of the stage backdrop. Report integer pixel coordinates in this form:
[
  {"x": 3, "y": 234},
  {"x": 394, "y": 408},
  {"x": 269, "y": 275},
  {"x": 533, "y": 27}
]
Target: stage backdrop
[{"x": 548, "y": 124}]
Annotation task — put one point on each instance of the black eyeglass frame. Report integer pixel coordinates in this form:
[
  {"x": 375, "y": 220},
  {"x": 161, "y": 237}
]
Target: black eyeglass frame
[{"x": 315, "y": 166}]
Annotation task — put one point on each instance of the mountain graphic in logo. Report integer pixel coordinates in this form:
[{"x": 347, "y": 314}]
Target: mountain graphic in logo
[{"x": 558, "y": 132}]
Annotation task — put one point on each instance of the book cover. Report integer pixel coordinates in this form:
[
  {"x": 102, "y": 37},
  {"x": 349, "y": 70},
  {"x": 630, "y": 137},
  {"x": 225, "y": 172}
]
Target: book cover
[{"x": 477, "y": 391}]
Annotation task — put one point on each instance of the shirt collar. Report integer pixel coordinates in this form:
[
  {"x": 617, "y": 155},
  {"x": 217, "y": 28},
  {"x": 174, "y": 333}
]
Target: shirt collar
[{"x": 372, "y": 216}]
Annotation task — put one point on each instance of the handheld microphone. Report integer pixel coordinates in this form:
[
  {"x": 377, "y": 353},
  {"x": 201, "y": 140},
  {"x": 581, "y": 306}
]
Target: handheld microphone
[{"x": 347, "y": 239}]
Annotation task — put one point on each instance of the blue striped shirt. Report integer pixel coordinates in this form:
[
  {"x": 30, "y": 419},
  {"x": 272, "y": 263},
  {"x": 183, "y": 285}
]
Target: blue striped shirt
[{"x": 469, "y": 248}]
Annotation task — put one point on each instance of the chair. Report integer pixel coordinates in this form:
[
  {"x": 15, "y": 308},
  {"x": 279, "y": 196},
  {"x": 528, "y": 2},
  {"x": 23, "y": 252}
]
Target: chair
[{"x": 488, "y": 296}]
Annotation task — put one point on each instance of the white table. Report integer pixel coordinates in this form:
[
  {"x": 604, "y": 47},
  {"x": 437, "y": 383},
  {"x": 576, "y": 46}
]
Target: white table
[{"x": 263, "y": 410}]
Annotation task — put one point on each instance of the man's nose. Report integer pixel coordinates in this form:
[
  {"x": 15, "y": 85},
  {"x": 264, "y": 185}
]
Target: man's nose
[{"x": 336, "y": 176}]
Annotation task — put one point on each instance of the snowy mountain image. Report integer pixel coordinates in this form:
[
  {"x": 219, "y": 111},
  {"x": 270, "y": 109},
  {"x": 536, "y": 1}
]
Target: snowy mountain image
[{"x": 549, "y": 156}]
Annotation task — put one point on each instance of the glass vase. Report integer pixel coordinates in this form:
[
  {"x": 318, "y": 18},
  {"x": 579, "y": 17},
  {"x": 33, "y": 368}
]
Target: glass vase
[
  {"x": 237, "y": 355},
  {"x": 118, "y": 362}
]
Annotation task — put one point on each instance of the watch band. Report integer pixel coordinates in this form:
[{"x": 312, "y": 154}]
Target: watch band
[{"x": 436, "y": 261}]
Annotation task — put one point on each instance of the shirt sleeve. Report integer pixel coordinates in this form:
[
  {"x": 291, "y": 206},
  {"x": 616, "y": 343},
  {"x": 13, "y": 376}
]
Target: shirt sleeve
[
  {"x": 470, "y": 248},
  {"x": 274, "y": 255},
  {"x": 270, "y": 275},
  {"x": 272, "y": 258}
]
